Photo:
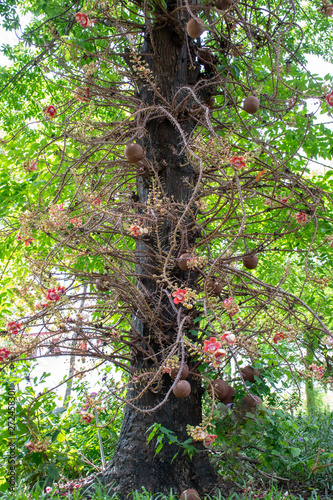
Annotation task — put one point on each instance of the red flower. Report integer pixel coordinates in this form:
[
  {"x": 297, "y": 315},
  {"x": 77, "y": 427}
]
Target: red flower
[
  {"x": 4, "y": 353},
  {"x": 135, "y": 230},
  {"x": 32, "y": 166},
  {"x": 278, "y": 337},
  {"x": 76, "y": 222},
  {"x": 211, "y": 345},
  {"x": 238, "y": 162},
  {"x": 229, "y": 337},
  {"x": 97, "y": 202},
  {"x": 300, "y": 217},
  {"x": 50, "y": 111},
  {"x": 209, "y": 439},
  {"x": 14, "y": 327},
  {"x": 54, "y": 294},
  {"x": 86, "y": 417},
  {"x": 28, "y": 241},
  {"x": 83, "y": 20},
  {"x": 179, "y": 296},
  {"x": 329, "y": 98}
]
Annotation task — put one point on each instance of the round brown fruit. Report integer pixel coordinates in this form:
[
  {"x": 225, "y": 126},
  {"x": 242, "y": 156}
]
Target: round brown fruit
[
  {"x": 195, "y": 29},
  {"x": 221, "y": 389},
  {"x": 134, "y": 153},
  {"x": 223, "y": 4},
  {"x": 249, "y": 373},
  {"x": 230, "y": 396},
  {"x": 250, "y": 261},
  {"x": 101, "y": 286},
  {"x": 205, "y": 56},
  {"x": 190, "y": 495},
  {"x": 252, "y": 401},
  {"x": 182, "y": 261},
  {"x": 251, "y": 104},
  {"x": 215, "y": 287},
  {"x": 183, "y": 374},
  {"x": 182, "y": 389}
]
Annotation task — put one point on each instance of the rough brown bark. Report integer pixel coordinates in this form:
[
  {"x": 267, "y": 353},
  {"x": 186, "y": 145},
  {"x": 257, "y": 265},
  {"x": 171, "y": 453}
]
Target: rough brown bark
[{"x": 134, "y": 464}]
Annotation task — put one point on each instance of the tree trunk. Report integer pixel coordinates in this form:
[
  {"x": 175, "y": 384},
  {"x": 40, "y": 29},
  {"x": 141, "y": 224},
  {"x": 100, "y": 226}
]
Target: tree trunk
[{"x": 135, "y": 464}]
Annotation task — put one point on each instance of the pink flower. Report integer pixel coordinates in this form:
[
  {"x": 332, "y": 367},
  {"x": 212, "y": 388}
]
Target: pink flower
[
  {"x": 76, "y": 222},
  {"x": 42, "y": 305},
  {"x": 328, "y": 341},
  {"x": 28, "y": 241},
  {"x": 318, "y": 369},
  {"x": 135, "y": 230},
  {"x": 54, "y": 294},
  {"x": 209, "y": 439},
  {"x": 30, "y": 445},
  {"x": 50, "y": 111},
  {"x": 227, "y": 302},
  {"x": 329, "y": 97},
  {"x": 83, "y": 20},
  {"x": 86, "y": 417},
  {"x": 228, "y": 337},
  {"x": 32, "y": 166},
  {"x": 238, "y": 162},
  {"x": 97, "y": 202},
  {"x": 179, "y": 296},
  {"x": 48, "y": 489},
  {"x": 211, "y": 345},
  {"x": 300, "y": 217},
  {"x": 278, "y": 337},
  {"x": 14, "y": 327},
  {"x": 4, "y": 353},
  {"x": 219, "y": 355}
]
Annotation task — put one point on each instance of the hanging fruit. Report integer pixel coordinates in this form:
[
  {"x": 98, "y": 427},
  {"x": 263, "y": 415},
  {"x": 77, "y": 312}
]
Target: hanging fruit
[
  {"x": 194, "y": 28},
  {"x": 251, "y": 104},
  {"x": 249, "y": 373},
  {"x": 250, "y": 261},
  {"x": 182, "y": 389},
  {"x": 134, "y": 153}
]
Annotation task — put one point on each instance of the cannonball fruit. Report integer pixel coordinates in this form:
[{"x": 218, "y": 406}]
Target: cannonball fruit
[
  {"x": 251, "y": 104},
  {"x": 249, "y": 373},
  {"x": 221, "y": 389},
  {"x": 250, "y": 261},
  {"x": 182, "y": 389},
  {"x": 194, "y": 29},
  {"x": 252, "y": 401},
  {"x": 134, "y": 153},
  {"x": 230, "y": 396},
  {"x": 223, "y": 4},
  {"x": 182, "y": 261},
  {"x": 183, "y": 373},
  {"x": 190, "y": 495},
  {"x": 215, "y": 287}
]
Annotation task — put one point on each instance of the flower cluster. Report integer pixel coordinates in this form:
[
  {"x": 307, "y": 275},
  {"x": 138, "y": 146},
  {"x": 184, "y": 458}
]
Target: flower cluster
[
  {"x": 186, "y": 297},
  {"x": 85, "y": 416},
  {"x": 50, "y": 111},
  {"x": 83, "y": 20},
  {"x": 138, "y": 230},
  {"x": 301, "y": 217},
  {"x": 4, "y": 353},
  {"x": 238, "y": 162},
  {"x": 30, "y": 165},
  {"x": 57, "y": 218},
  {"x": 199, "y": 434},
  {"x": 76, "y": 222},
  {"x": 196, "y": 261},
  {"x": 82, "y": 95},
  {"x": 318, "y": 371},
  {"x": 213, "y": 347},
  {"x": 27, "y": 241},
  {"x": 231, "y": 306},
  {"x": 38, "y": 446},
  {"x": 14, "y": 327},
  {"x": 54, "y": 294}
]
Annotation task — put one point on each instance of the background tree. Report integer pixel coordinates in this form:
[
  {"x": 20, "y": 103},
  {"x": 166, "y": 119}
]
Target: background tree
[{"x": 180, "y": 239}]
